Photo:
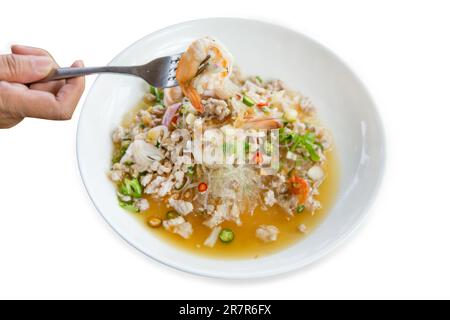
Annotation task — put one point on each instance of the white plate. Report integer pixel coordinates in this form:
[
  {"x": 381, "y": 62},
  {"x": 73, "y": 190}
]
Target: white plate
[{"x": 343, "y": 104}]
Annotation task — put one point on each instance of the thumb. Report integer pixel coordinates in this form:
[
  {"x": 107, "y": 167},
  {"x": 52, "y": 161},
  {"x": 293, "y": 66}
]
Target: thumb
[{"x": 24, "y": 69}]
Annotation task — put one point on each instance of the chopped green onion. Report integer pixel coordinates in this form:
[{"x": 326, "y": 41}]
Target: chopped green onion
[
  {"x": 125, "y": 144},
  {"x": 299, "y": 209},
  {"x": 182, "y": 185},
  {"x": 312, "y": 153},
  {"x": 158, "y": 93},
  {"x": 171, "y": 215},
  {"x": 317, "y": 143},
  {"x": 184, "y": 108},
  {"x": 136, "y": 187},
  {"x": 268, "y": 148},
  {"x": 297, "y": 140},
  {"x": 125, "y": 188},
  {"x": 190, "y": 171},
  {"x": 307, "y": 141},
  {"x": 129, "y": 207},
  {"x": 266, "y": 110},
  {"x": 131, "y": 188},
  {"x": 121, "y": 152},
  {"x": 259, "y": 79},
  {"x": 118, "y": 155},
  {"x": 246, "y": 147},
  {"x": 229, "y": 148},
  {"x": 248, "y": 101},
  {"x": 226, "y": 235}
]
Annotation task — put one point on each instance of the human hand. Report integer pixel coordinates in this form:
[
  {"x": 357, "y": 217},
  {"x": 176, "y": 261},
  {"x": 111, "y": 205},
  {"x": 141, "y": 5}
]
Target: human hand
[{"x": 55, "y": 100}]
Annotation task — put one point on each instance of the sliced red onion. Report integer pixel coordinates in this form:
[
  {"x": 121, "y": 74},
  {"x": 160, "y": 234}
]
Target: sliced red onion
[{"x": 170, "y": 114}]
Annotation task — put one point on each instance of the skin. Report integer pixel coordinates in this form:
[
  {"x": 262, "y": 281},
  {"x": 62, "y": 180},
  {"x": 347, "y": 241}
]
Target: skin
[{"x": 55, "y": 100}]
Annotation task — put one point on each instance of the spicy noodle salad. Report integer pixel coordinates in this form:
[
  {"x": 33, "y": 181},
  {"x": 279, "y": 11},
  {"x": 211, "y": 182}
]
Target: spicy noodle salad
[{"x": 273, "y": 128}]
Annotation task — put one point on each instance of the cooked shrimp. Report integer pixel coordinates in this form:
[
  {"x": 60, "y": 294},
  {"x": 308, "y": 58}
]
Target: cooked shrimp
[
  {"x": 215, "y": 63},
  {"x": 172, "y": 95}
]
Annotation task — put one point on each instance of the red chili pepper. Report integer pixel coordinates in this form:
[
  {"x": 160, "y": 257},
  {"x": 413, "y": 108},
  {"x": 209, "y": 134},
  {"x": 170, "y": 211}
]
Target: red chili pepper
[
  {"x": 175, "y": 119},
  {"x": 262, "y": 104},
  {"x": 299, "y": 187},
  {"x": 202, "y": 187},
  {"x": 258, "y": 158}
]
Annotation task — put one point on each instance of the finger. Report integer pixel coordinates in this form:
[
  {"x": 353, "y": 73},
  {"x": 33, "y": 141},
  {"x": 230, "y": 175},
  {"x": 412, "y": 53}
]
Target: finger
[
  {"x": 20, "y": 101},
  {"x": 30, "y": 51},
  {"x": 24, "y": 102},
  {"x": 70, "y": 94},
  {"x": 8, "y": 121},
  {"x": 53, "y": 86},
  {"x": 24, "y": 69}
]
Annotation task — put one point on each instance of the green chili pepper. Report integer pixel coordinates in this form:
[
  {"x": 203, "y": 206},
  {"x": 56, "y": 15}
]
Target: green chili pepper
[
  {"x": 171, "y": 215},
  {"x": 226, "y": 235},
  {"x": 299, "y": 209},
  {"x": 248, "y": 101}
]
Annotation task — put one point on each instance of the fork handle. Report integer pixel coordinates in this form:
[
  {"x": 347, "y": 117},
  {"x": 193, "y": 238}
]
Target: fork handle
[{"x": 67, "y": 73}]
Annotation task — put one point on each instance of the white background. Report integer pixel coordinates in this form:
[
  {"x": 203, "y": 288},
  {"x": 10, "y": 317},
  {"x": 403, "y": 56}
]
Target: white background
[{"x": 53, "y": 244}]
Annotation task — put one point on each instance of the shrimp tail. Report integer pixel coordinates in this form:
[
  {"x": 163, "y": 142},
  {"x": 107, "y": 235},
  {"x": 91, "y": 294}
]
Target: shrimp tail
[
  {"x": 194, "y": 97},
  {"x": 259, "y": 123}
]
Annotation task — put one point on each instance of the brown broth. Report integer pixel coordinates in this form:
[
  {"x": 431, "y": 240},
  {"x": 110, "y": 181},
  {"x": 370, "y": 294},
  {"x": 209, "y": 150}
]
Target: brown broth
[{"x": 245, "y": 243}]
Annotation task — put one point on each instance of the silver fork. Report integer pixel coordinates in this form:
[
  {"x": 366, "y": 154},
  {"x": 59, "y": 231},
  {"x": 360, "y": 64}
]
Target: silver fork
[{"x": 158, "y": 73}]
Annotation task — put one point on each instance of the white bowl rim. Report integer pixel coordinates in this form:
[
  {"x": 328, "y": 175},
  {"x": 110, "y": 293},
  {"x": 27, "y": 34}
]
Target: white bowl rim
[{"x": 364, "y": 212}]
